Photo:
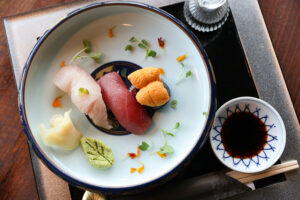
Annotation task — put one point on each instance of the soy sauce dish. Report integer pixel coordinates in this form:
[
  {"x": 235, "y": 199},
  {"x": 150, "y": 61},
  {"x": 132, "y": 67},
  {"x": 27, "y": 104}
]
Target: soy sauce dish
[
  {"x": 248, "y": 135},
  {"x": 114, "y": 40}
]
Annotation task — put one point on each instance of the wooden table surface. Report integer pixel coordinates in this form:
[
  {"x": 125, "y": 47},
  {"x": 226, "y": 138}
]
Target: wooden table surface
[{"x": 16, "y": 176}]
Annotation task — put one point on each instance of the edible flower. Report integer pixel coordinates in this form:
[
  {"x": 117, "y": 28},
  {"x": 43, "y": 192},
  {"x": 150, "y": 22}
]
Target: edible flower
[
  {"x": 161, "y": 42},
  {"x": 140, "y": 170},
  {"x": 161, "y": 155},
  {"x": 62, "y": 64},
  {"x": 56, "y": 103},
  {"x": 181, "y": 58},
  {"x": 132, "y": 170},
  {"x": 134, "y": 155},
  {"x": 110, "y": 32}
]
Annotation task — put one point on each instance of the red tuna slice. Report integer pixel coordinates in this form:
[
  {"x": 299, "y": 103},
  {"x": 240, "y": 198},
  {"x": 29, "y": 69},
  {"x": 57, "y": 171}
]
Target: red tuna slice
[{"x": 129, "y": 113}]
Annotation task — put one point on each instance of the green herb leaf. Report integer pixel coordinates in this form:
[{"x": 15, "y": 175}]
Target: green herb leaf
[
  {"x": 96, "y": 56},
  {"x": 176, "y": 125},
  {"x": 144, "y": 146},
  {"x": 87, "y": 46},
  {"x": 98, "y": 154},
  {"x": 83, "y": 91},
  {"x": 189, "y": 73},
  {"x": 204, "y": 113},
  {"x": 168, "y": 133},
  {"x": 166, "y": 149},
  {"x": 144, "y": 42},
  {"x": 123, "y": 73},
  {"x": 174, "y": 104},
  {"x": 151, "y": 53},
  {"x": 128, "y": 47},
  {"x": 143, "y": 46},
  {"x": 182, "y": 65},
  {"x": 132, "y": 39}
]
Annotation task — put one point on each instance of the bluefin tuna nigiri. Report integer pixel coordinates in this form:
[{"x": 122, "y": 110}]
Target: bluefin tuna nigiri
[
  {"x": 129, "y": 113},
  {"x": 72, "y": 80}
]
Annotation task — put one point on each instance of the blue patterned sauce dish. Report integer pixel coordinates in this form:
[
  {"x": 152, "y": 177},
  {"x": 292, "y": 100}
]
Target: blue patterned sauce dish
[{"x": 248, "y": 135}]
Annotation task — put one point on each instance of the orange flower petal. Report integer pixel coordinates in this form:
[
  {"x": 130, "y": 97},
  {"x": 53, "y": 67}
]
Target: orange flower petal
[
  {"x": 62, "y": 64},
  {"x": 161, "y": 71},
  {"x": 161, "y": 155},
  {"x": 140, "y": 170},
  {"x": 56, "y": 103},
  {"x": 132, "y": 170},
  {"x": 181, "y": 58}
]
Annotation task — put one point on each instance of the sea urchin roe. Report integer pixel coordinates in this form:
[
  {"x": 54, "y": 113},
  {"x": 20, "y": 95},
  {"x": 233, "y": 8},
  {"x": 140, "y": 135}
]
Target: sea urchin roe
[
  {"x": 161, "y": 42},
  {"x": 161, "y": 155},
  {"x": 56, "y": 103},
  {"x": 154, "y": 94},
  {"x": 181, "y": 58},
  {"x": 142, "y": 77},
  {"x": 134, "y": 155}
]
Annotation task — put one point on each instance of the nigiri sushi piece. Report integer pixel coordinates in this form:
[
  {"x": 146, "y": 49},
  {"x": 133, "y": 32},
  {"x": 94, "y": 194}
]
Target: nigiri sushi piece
[
  {"x": 142, "y": 77},
  {"x": 153, "y": 95},
  {"x": 129, "y": 113},
  {"x": 85, "y": 93}
]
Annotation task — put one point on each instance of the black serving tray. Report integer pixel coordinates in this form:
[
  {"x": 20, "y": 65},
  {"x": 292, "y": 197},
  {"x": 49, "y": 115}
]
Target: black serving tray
[{"x": 233, "y": 78}]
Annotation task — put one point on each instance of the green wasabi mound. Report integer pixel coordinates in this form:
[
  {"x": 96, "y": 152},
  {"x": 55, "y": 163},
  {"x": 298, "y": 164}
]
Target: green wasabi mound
[{"x": 98, "y": 154}]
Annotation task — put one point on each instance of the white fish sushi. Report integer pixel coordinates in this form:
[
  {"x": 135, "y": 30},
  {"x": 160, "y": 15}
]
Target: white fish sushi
[{"x": 72, "y": 80}]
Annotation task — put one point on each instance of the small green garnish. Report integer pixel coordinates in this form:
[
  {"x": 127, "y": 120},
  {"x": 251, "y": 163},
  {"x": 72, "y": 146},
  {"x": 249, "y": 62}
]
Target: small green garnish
[
  {"x": 83, "y": 91},
  {"x": 132, "y": 39},
  {"x": 143, "y": 44},
  {"x": 176, "y": 126},
  {"x": 166, "y": 149},
  {"x": 174, "y": 104},
  {"x": 181, "y": 63},
  {"x": 87, "y": 46},
  {"x": 151, "y": 53},
  {"x": 123, "y": 73},
  {"x": 96, "y": 56},
  {"x": 204, "y": 113},
  {"x": 168, "y": 132},
  {"x": 189, "y": 73},
  {"x": 128, "y": 47},
  {"x": 144, "y": 146}
]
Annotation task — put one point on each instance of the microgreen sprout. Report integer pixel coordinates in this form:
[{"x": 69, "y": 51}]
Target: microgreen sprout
[
  {"x": 143, "y": 44},
  {"x": 204, "y": 113},
  {"x": 144, "y": 146},
  {"x": 174, "y": 104},
  {"x": 182, "y": 73},
  {"x": 96, "y": 56},
  {"x": 128, "y": 47}
]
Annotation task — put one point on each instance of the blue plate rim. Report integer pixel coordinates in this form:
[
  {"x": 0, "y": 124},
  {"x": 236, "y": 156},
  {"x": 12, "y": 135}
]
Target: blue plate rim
[{"x": 205, "y": 131}]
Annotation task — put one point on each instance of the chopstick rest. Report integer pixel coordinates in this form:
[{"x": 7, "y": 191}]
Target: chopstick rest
[{"x": 274, "y": 170}]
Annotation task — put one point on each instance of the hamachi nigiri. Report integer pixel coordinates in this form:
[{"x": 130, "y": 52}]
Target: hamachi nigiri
[
  {"x": 85, "y": 93},
  {"x": 129, "y": 113}
]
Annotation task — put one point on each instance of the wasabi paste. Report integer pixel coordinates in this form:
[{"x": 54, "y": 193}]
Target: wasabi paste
[{"x": 98, "y": 154}]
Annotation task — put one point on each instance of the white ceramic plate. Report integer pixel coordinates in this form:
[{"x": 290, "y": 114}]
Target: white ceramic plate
[{"x": 195, "y": 94}]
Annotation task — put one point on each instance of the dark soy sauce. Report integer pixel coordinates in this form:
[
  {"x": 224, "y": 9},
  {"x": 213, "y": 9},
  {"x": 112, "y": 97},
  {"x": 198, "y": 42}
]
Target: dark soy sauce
[{"x": 243, "y": 135}]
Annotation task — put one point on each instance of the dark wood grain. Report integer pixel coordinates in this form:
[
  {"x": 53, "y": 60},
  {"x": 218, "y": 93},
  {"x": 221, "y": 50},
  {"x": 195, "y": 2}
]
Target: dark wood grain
[
  {"x": 16, "y": 175},
  {"x": 283, "y": 22}
]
